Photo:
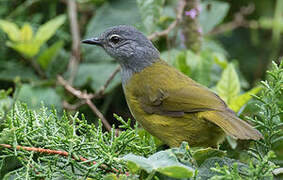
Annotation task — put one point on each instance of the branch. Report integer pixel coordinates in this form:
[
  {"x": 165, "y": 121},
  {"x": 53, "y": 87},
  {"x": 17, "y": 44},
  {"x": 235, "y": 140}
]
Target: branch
[
  {"x": 238, "y": 21},
  {"x": 165, "y": 32},
  {"x": 83, "y": 96},
  {"x": 79, "y": 94},
  {"x": 75, "y": 56},
  {"x": 99, "y": 114},
  {"x": 58, "y": 152},
  {"x": 75, "y": 106}
]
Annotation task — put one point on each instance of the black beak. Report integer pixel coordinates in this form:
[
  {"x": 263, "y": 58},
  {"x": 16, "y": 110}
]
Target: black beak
[{"x": 94, "y": 41}]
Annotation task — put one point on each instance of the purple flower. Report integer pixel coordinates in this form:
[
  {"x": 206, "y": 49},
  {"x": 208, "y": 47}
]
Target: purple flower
[{"x": 192, "y": 13}]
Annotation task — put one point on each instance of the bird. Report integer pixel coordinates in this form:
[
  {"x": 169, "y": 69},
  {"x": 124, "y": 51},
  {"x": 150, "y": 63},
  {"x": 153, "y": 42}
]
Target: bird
[{"x": 168, "y": 104}]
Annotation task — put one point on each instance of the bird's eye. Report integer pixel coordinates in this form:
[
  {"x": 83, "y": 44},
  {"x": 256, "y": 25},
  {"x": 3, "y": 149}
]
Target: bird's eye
[{"x": 115, "y": 39}]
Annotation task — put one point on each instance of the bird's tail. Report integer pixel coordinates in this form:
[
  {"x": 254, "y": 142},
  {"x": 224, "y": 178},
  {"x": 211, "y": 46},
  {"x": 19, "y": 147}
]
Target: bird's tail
[{"x": 232, "y": 125}]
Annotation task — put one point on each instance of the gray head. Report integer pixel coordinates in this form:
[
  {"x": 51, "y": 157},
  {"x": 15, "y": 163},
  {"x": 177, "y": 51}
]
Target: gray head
[{"x": 128, "y": 46}]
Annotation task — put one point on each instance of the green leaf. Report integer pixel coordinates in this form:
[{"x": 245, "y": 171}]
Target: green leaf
[
  {"x": 96, "y": 75},
  {"x": 12, "y": 69},
  {"x": 150, "y": 12},
  {"x": 193, "y": 60},
  {"x": 11, "y": 29},
  {"x": 8, "y": 164},
  {"x": 34, "y": 96},
  {"x": 26, "y": 48},
  {"x": 163, "y": 162},
  {"x": 213, "y": 46},
  {"x": 5, "y": 102},
  {"x": 201, "y": 66},
  {"x": 204, "y": 68},
  {"x": 228, "y": 86},
  {"x": 212, "y": 13},
  {"x": 220, "y": 60},
  {"x": 26, "y": 33},
  {"x": 120, "y": 177},
  {"x": 200, "y": 155},
  {"x": 177, "y": 171},
  {"x": 58, "y": 64},
  {"x": 47, "y": 30},
  {"x": 205, "y": 172},
  {"x": 46, "y": 56},
  {"x": 238, "y": 102},
  {"x": 110, "y": 14},
  {"x": 181, "y": 63},
  {"x": 134, "y": 162},
  {"x": 170, "y": 56}
]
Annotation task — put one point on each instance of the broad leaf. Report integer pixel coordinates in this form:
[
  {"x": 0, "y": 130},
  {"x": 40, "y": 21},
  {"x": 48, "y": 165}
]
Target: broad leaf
[
  {"x": 181, "y": 63},
  {"x": 120, "y": 177},
  {"x": 212, "y": 13},
  {"x": 12, "y": 69},
  {"x": 96, "y": 74},
  {"x": 150, "y": 12},
  {"x": 170, "y": 56},
  {"x": 47, "y": 30},
  {"x": 5, "y": 102},
  {"x": 46, "y": 56},
  {"x": 23, "y": 40},
  {"x": 138, "y": 162},
  {"x": 228, "y": 86},
  {"x": 200, "y": 155},
  {"x": 200, "y": 65},
  {"x": 238, "y": 102},
  {"x": 58, "y": 64},
  {"x": 8, "y": 164},
  {"x": 34, "y": 96},
  {"x": 164, "y": 162},
  {"x": 26, "y": 33},
  {"x": 203, "y": 70},
  {"x": 177, "y": 171},
  {"x": 26, "y": 48},
  {"x": 214, "y": 46},
  {"x": 10, "y": 29},
  {"x": 220, "y": 60},
  {"x": 205, "y": 172}
]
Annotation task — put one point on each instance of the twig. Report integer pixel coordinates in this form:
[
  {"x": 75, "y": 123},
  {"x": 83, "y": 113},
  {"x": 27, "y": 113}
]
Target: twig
[
  {"x": 85, "y": 97},
  {"x": 50, "y": 151},
  {"x": 165, "y": 32},
  {"x": 99, "y": 114},
  {"x": 238, "y": 21},
  {"x": 75, "y": 106},
  {"x": 79, "y": 94},
  {"x": 75, "y": 56}
]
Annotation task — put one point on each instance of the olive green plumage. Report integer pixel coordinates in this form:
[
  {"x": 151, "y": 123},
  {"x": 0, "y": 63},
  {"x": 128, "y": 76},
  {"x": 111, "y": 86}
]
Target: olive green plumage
[
  {"x": 168, "y": 104},
  {"x": 174, "y": 108}
]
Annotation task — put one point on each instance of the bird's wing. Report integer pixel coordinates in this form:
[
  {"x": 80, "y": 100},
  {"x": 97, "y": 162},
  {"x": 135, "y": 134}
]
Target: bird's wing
[
  {"x": 197, "y": 99},
  {"x": 177, "y": 101}
]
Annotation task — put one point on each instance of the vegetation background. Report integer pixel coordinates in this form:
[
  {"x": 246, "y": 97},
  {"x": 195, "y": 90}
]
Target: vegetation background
[{"x": 54, "y": 90}]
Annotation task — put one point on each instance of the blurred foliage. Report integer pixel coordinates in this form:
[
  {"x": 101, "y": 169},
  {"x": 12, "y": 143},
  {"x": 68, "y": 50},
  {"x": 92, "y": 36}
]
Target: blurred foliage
[{"x": 37, "y": 45}]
